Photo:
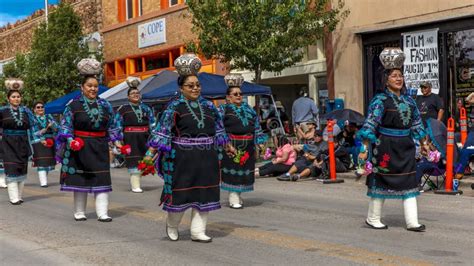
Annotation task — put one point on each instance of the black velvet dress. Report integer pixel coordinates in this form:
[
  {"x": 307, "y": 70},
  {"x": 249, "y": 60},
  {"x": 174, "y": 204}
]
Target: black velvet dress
[
  {"x": 243, "y": 128},
  {"x": 87, "y": 170},
  {"x": 188, "y": 136},
  {"x": 136, "y": 123},
  {"x": 19, "y": 128},
  {"x": 44, "y": 157},
  {"x": 391, "y": 126}
]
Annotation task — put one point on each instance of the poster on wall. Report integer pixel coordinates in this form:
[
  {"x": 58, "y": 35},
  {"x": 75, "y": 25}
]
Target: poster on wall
[
  {"x": 152, "y": 33},
  {"x": 421, "y": 59}
]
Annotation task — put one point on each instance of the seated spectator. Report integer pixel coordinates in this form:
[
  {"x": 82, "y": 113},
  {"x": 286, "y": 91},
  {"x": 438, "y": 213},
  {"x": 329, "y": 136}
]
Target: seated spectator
[
  {"x": 305, "y": 131},
  {"x": 343, "y": 161},
  {"x": 350, "y": 143},
  {"x": 316, "y": 141},
  {"x": 429, "y": 156},
  {"x": 285, "y": 157},
  {"x": 303, "y": 166}
]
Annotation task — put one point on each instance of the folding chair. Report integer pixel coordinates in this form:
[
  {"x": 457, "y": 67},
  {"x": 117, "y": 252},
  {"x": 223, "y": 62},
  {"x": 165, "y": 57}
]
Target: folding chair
[{"x": 432, "y": 170}]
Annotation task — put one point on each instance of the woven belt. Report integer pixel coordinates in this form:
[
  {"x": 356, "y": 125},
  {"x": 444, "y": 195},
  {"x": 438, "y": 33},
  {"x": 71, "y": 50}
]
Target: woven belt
[
  {"x": 241, "y": 137},
  {"x": 392, "y": 132},
  {"x": 136, "y": 129},
  {"x": 14, "y": 132},
  {"x": 193, "y": 141},
  {"x": 97, "y": 134}
]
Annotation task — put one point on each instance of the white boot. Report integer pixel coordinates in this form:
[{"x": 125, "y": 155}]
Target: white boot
[
  {"x": 43, "y": 178},
  {"x": 375, "y": 213},
  {"x": 13, "y": 193},
  {"x": 234, "y": 200},
  {"x": 80, "y": 203},
  {"x": 135, "y": 183},
  {"x": 198, "y": 226},
  {"x": 172, "y": 223},
  {"x": 241, "y": 201},
  {"x": 102, "y": 206},
  {"x": 3, "y": 184},
  {"x": 21, "y": 185},
  {"x": 411, "y": 215}
]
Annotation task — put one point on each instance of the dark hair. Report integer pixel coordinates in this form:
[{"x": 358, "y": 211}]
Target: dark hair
[
  {"x": 229, "y": 90},
  {"x": 131, "y": 89},
  {"x": 182, "y": 79},
  {"x": 38, "y": 102},
  {"x": 86, "y": 78},
  {"x": 282, "y": 140},
  {"x": 10, "y": 92}
]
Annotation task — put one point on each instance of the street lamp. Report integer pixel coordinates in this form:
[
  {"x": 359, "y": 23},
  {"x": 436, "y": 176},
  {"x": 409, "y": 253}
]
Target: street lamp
[{"x": 92, "y": 45}]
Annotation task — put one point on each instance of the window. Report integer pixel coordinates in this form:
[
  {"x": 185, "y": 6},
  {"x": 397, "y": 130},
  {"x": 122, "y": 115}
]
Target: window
[
  {"x": 128, "y": 9},
  {"x": 139, "y": 65},
  {"x": 173, "y": 2},
  {"x": 157, "y": 61}
]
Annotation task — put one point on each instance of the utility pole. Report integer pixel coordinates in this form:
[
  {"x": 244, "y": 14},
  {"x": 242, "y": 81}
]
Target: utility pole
[{"x": 46, "y": 10}]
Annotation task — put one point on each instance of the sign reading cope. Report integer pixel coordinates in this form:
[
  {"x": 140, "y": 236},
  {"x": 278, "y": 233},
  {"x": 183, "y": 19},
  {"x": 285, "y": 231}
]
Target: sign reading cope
[{"x": 152, "y": 33}]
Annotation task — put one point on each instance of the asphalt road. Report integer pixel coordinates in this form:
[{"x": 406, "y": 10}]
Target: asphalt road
[{"x": 283, "y": 223}]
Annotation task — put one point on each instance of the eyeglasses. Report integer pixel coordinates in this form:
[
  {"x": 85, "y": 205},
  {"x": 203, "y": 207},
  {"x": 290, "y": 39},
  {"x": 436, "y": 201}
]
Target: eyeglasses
[
  {"x": 39, "y": 107},
  {"x": 134, "y": 93},
  {"x": 191, "y": 86},
  {"x": 236, "y": 94}
]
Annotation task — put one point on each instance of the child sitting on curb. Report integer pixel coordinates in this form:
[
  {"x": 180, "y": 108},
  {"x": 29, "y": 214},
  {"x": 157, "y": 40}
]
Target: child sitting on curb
[{"x": 303, "y": 167}]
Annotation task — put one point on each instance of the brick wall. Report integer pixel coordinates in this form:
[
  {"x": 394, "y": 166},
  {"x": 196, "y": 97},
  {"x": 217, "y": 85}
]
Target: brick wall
[
  {"x": 122, "y": 42},
  {"x": 17, "y": 38}
]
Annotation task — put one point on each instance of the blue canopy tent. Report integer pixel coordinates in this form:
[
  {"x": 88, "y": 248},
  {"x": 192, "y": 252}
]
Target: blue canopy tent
[
  {"x": 213, "y": 86},
  {"x": 57, "y": 106}
]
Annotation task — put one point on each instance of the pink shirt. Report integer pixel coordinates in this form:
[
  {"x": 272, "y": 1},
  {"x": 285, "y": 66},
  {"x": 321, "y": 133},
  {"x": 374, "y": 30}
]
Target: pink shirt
[{"x": 287, "y": 148}]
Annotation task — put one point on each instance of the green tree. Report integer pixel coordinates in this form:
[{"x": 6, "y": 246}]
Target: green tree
[
  {"x": 57, "y": 47},
  {"x": 261, "y": 35},
  {"x": 16, "y": 69}
]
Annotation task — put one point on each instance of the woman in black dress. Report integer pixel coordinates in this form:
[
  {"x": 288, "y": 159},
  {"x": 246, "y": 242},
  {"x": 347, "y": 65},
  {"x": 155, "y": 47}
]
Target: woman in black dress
[
  {"x": 87, "y": 126},
  {"x": 187, "y": 137},
  {"x": 243, "y": 128},
  {"x": 392, "y": 123},
  {"x": 3, "y": 184},
  {"x": 135, "y": 119},
  {"x": 19, "y": 129},
  {"x": 44, "y": 156}
]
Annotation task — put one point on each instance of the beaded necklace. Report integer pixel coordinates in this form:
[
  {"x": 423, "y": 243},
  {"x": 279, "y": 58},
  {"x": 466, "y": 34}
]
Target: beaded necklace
[
  {"x": 194, "y": 104},
  {"x": 241, "y": 114},
  {"x": 403, "y": 109},
  {"x": 42, "y": 120},
  {"x": 18, "y": 120},
  {"x": 138, "y": 112},
  {"x": 95, "y": 114}
]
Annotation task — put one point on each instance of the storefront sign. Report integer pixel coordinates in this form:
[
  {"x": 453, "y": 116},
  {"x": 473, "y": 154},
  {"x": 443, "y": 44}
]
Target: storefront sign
[
  {"x": 421, "y": 59},
  {"x": 152, "y": 33}
]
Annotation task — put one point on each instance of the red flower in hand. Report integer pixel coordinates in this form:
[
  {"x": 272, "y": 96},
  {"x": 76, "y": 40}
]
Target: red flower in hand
[
  {"x": 126, "y": 149},
  {"x": 244, "y": 158},
  {"x": 383, "y": 164},
  {"x": 49, "y": 143},
  {"x": 77, "y": 144},
  {"x": 141, "y": 166}
]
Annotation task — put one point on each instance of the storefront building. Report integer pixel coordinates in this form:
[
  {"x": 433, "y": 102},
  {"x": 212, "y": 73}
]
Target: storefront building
[
  {"x": 144, "y": 37},
  {"x": 436, "y": 36}
]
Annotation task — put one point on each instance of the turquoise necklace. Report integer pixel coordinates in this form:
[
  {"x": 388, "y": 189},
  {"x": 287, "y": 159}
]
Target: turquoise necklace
[
  {"x": 95, "y": 114},
  {"x": 403, "y": 109},
  {"x": 18, "y": 120},
  {"x": 138, "y": 112},
  {"x": 241, "y": 114},
  {"x": 42, "y": 121},
  {"x": 190, "y": 106}
]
